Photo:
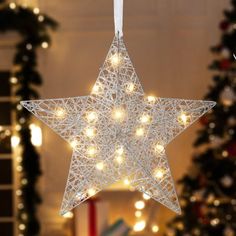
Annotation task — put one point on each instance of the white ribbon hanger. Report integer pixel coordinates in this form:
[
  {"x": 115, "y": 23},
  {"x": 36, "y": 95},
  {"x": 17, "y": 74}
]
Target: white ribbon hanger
[{"x": 118, "y": 17}]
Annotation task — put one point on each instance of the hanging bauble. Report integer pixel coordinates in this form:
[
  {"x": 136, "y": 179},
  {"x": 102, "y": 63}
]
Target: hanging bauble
[
  {"x": 226, "y": 181},
  {"x": 227, "y": 96}
]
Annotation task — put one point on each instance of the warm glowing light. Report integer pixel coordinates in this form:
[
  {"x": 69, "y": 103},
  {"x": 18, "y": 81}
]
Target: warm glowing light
[
  {"x": 119, "y": 159},
  {"x": 118, "y": 114},
  {"x": 159, "y": 173},
  {"x": 97, "y": 88},
  {"x": 92, "y": 116},
  {"x": 19, "y": 168},
  {"x": 159, "y": 148},
  {"x": 183, "y": 118},
  {"x": 15, "y": 141},
  {"x": 139, "y": 226},
  {"x": 120, "y": 151},
  {"x": 68, "y": 215},
  {"x": 41, "y": 18},
  {"x": 90, "y": 132},
  {"x": 139, "y": 132},
  {"x": 138, "y": 214},
  {"x": 36, "y": 10},
  {"x": 92, "y": 151},
  {"x": 44, "y": 45},
  {"x": 126, "y": 182},
  {"x": 146, "y": 196},
  {"x": 155, "y": 228},
  {"x": 139, "y": 205},
  {"x": 145, "y": 119},
  {"x": 215, "y": 222},
  {"x": 115, "y": 59},
  {"x": 130, "y": 88},
  {"x": 60, "y": 113},
  {"x": 13, "y": 80},
  {"x": 151, "y": 99},
  {"x": 36, "y": 135},
  {"x": 100, "y": 166},
  {"x": 18, "y": 192},
  {"x": 24, "y": 181},
  {"x": 12, "y": 5},
  {"x": 22, "y": 227},
  {"x": 91, "y": 191},
  {"x": 74, "y": 143}
]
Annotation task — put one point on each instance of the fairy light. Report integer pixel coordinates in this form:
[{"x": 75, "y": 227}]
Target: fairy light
[
  {"x": 44, "y": 45},
  {"x": 100, "y": 165},
  {"x": 118, "y": 114},
  {"x": 139, "y": 205},
  {"x": 119, "y": 159},
  {"x": 139, "y": 226},
  {"x": 151, "y": 99},
  {"x": 139, "y": 132},
  {"x": 12, "y": 5},
  {"x": 36, "y": 10},
  {"x": 68, "y": 215},
  {"x": 126, "y": 181},
  {"x": 215, "y": 222},
  {"x": 24, "y": 181},
  {"x": 19, "y": 168},
  {"x": 130, "y": 88},
  {"x": 155, "y": 228},
  {"x": 225, "y": 153},
  {"x": 138, "y": 214},
  {"x": 183, "y": 118},
  {"x": 74, "y": 143},
  {"x": 145, "y": 119},
  {"x": 92, "y": 116},
  {"x": 60, "y": 113},
  {"x": 18, "y": 192},
  {"x": 159, "y": 173},
  {"x": 115, "y": 60},
  {"x": 146, "y": 196},
  {"x": 159, "y": 148},
  {"x": 15, "y": 141},
  {"x": 13, "y": 80},
  {"x": 91, "y": 192},
  {"x": 36, "y": 135},
  {"x": 19, "y": 107},
  {"x": 92, "y": 151},
  {"x": 22, "y": 227},
  {"x": 40, "y": 18},
  {"x": 97, "y": 89},
  {"x": 90, "y": 132}
]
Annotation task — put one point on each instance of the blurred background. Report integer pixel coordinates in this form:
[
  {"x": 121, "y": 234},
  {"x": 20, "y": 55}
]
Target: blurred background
[{"x": 54, "y": 49}]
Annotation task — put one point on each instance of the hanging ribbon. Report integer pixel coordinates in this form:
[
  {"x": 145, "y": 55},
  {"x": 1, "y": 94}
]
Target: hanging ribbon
[{"x": 118, "y": 17}]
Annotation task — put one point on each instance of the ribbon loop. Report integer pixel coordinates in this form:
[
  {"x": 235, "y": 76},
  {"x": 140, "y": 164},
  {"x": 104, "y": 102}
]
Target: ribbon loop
[{"x": 118, "y": 17}]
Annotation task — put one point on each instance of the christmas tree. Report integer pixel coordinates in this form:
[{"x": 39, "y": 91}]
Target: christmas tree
[{"x": 208, "y": 197}]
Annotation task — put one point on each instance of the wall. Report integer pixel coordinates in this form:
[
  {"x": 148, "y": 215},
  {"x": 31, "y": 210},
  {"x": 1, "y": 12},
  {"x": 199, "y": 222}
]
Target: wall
[{"x": 168, "y": 41}]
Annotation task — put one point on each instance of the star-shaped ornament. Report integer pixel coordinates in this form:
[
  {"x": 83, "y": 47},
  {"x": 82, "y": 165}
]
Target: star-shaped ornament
[{"x": 118, "y": 133}]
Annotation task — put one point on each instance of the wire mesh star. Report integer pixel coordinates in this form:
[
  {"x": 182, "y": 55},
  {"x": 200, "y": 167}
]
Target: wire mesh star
[{"x": 118, "y": 133}]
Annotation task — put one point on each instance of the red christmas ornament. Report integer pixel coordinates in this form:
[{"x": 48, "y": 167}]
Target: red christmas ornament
[
  {"x": 231, "y": 148},
  {"x": 225, "y": 64},
  {"x": 224, "y": 25}
]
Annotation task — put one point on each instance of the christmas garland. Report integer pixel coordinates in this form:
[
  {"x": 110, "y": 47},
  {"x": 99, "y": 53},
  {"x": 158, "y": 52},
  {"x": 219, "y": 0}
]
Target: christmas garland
[{"x": 33, "y": 28}]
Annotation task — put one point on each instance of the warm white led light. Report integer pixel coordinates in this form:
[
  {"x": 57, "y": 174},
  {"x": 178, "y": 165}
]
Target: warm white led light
[
  {"x": 36, "y": 10},
  {"x": 139, "y": 205},
  {"x": 100, "y": 165},
  {"x": 74, "y": 143},
  {"x": 60, "y": 113},
  {"x": 126, "y": 182},
  {"x": 151, "y": 99},
  {"x": 12, "y": 5},
  {"x": 159, "y": 148},
  {"x": 15, "y": 141},
  {"x": 44, "y": 45},
  {"x": 139, "y": 226},
  {"x": 146, "y": 196},
  {"x": 155, "y": 228},
  {"x": 36, "y": 135},
  {"x": 130, "y": 88},
  {"x": 140, "y": 132},
  {"x": 138, "y": 214},
  {"x": 92, "y": 151},
  {"x": 118, "y": 114},
  {"x": 119, "y": 159},
  {"x": 68, "y": 215},
  {"x": 159, "y": 173},
  {"x": 90, "y": 132},
  {"x": 115, "y": 60},
  {"x": 92, "y": 116},
  {"x": 183, "y": 118},
  {"x": 91, "y": 192},
  {"x": 145, "y": 119}
]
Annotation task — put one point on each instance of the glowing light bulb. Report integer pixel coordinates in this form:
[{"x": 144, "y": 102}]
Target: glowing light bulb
[
  {"x": 97, "y": 88},
  {"x": 90, "y": 132},
  {"x": 115, "y": 59},
  {"x": 100, "y": 166},
  {"x": 138, "y": 214},
  {"x": 146, "y": 196},
  {"x": 60, "y": 113},
  {"x": 155, "y": 228},
  {"x": 139, "y": 226},
  {"x": 139, "y": 205},
  {"x": 145, "y": 119},
  {"x": 118, "y": 114},
  {"x": 91, "y": 192},
  {"x": 13, "y": 80},
  {"x": 40, "y": 18},
  {"x": 74, "y": 143},
  {"x": 36, "y": 10},
  {"x": 36, "y": 135},
  {"x": 22, "y": 227},
  {"x": 15, "y": 141},
  {"x": 126, "y": 182},
  {"x": 92, "y": 151},
  {"x": 159, "y": 148},
  {"x": 68, "y": 215},
  {"x": 140, "y": 132},
  {"x": 151, "y": 99},
  {"x": 44, "y": 45},
  {"x": 159, "y": 173},
  {"x": 92, "y": 116},
  {"x": 119, "y": 159},
  {"x": 183, "y": 118},
  {"x": 130, "y": 88},
  {"x": 12, "y": 5}
]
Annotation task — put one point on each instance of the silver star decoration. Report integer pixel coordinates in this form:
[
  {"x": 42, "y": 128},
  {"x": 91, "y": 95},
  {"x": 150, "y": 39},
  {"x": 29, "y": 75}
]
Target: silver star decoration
[{"x": 118, "y": 133}]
